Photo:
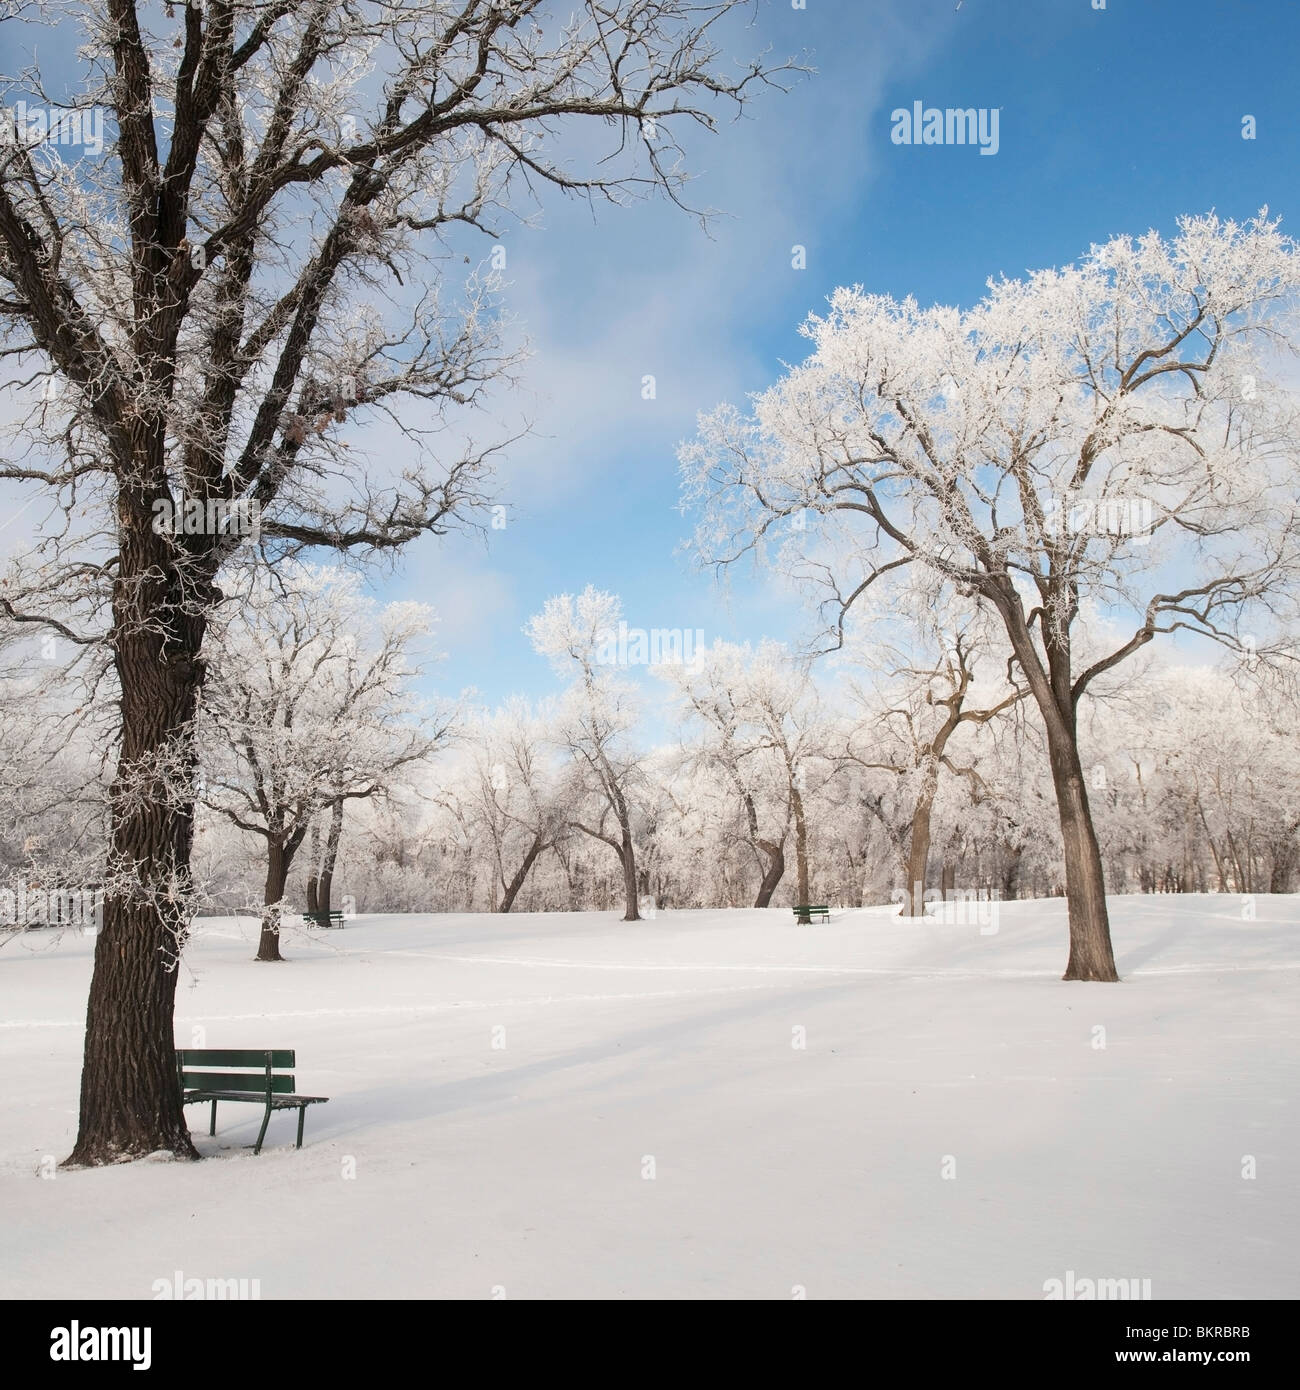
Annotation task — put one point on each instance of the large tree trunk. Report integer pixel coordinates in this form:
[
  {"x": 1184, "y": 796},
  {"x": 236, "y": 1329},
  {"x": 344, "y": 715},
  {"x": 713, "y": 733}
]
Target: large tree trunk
[
  {"x": 130, "y": 1098},
  {"x": 512, "y": 888},
  {"x": 277, "y": 872},
  {"x": 800, "y": 853},
  {"x": 918, "y": 857},
  {"x": 325, "y": 888},
  {"x": 1091, "y": 956},
  {"x": 628, "y": 856},
  {"x": 773, "y": 874}
]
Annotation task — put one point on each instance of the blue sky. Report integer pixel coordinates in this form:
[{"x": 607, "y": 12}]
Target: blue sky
[{"x": 1112, "y": 121}]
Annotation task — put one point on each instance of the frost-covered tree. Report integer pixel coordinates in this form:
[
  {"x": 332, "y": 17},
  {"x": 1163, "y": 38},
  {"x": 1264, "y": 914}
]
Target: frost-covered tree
[
  {"x": 1197, "y": 780},
  {"x": 53, "y": 786},
  {"x": 307, "y": 705},
  {"x": 594, "y": 723},
  {"x": 917, "y": 704},
  {"x": 1117, "y": 430},
  {"x": 255, "y": 263},
  {"x": 716, "y": 694},
  {"x": 781, "y": 702},
  {"x": 511, "y": 793}
]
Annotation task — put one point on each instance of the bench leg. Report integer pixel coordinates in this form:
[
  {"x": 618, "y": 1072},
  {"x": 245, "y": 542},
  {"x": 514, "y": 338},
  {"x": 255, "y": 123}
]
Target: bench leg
[
  {"x": 212, "y": 1125},
  {"x": 302, "y": 1115},
  {"x": 266, "y": 1120}
]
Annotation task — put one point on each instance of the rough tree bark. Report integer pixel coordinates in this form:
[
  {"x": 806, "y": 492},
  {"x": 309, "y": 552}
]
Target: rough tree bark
[{"x": 130, "y": 1103}]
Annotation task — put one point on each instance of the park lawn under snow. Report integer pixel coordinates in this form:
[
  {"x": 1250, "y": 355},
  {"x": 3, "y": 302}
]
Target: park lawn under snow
[{"x": 519, "y": 1168}]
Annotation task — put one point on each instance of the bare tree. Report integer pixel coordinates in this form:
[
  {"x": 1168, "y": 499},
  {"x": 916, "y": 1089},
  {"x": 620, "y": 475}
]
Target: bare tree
[
  {"x": 300, "y": 713},
  {"x": 714, "y": 690},
  {"x": 594, "y": 723},
  {"x": 931, "y": 705},
  {"x": 511, "y": 793}
]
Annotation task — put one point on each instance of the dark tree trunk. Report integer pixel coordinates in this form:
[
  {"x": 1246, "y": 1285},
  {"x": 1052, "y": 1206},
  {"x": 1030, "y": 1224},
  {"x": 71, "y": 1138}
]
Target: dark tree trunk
[
  {"x": 280, "y": 850},
  {"x": 516, "y": 883},
  {"x": 800, "y": 853},
  {"x": 130, "y": 1099},
  {"x": 628, "y": 856},
  {"x": 277, "y": 871},
  {"x": 325, "y": 888},
  {"x": 1010, "y": 871},
  {"x": 773, "y": 874},
  {"x": 918, "y": 858},
  {"x": 1091, "y": 955},
  {"x": 313, "y": 901}
]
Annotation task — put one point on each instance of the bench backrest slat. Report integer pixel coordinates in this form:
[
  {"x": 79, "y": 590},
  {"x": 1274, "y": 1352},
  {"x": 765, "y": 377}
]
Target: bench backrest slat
[
  {"x": 253, "y": 1082},
  {"x": 246, "y": 1057}
]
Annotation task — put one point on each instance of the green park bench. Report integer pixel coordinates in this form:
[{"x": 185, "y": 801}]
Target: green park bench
[
  {"x": 260, "y": 1080},
  {"x": 323, "y": 919},
  {"x": 822, "y": 911}
]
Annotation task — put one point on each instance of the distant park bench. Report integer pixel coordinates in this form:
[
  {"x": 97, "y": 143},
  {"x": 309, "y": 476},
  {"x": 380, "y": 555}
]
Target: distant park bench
[
  {"x": 260, "y": 1081},
  {"x": 823, "y": 912},
  {"x": 323, "y": 919}
]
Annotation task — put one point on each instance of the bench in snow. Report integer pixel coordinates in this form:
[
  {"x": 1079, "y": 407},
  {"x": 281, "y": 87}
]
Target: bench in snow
[
  {"x": 260, "y": 1079},
  {"x": 821, "y": 911},
  {"x": 323, "y": 919}
]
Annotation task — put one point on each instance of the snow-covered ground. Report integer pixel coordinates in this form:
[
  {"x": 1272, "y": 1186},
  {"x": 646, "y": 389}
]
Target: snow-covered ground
[{"x": 523, "y": 1169}]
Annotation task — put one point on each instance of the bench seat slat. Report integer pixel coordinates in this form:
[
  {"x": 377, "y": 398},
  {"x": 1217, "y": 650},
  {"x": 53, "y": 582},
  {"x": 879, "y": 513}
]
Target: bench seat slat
[
  {"x": 236, "y": 1081},
  {"x": 277, "y": 1102},
  {"x": 244, "y": 1057}
]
